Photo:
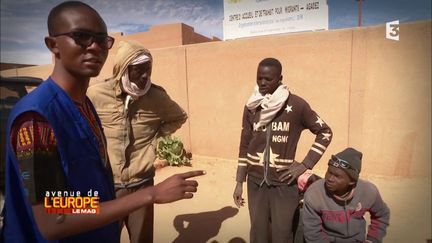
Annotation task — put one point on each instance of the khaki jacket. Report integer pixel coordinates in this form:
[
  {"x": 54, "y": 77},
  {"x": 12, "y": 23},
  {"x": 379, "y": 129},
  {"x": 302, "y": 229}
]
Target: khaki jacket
[{"x": 131, "y": 137}]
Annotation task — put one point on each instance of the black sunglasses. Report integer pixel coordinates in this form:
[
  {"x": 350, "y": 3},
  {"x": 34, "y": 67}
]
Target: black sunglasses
[
  {"x": 340, "y": 163},
  {"x": 86, "y": 39}
]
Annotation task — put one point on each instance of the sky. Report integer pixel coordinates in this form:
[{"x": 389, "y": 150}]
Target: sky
[{"x": 23, "y": 22}]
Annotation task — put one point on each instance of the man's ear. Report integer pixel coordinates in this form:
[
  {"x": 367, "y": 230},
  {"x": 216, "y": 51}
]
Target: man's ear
[
  {"x": 280, "y": 79},
  {"x": 352, "y": 183},
  {"x": 51, "y": 43}
]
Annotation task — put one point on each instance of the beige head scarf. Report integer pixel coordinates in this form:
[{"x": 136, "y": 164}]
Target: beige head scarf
[
  {"x": 130, "y": 87},
  {"x": 127, "y": 53},
  {"x": 130, "y": 53}
]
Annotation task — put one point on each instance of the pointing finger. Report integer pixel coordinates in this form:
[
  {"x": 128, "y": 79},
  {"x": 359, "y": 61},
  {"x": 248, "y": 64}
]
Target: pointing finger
[{"x": 193, "y": 173}]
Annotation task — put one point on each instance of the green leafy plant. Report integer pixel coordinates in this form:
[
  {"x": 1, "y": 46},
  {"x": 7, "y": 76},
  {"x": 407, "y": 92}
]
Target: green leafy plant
[{"x": 171, "y": 149}]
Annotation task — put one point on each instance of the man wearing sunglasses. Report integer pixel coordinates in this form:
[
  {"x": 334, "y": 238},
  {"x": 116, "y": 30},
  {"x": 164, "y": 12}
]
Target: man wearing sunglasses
[
  {"x": 134, "y": 112},
  {"x": 57, "y": 144},
  {"x": 334, "y": 207}
]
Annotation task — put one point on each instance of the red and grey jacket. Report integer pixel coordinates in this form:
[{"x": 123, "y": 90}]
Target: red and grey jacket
[
  {"x": 326, "y": 219},
  {"x": 264, "y": 150}
]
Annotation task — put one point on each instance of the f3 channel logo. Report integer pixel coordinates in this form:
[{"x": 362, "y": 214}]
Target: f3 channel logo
[{"x": 392, "y": 30}]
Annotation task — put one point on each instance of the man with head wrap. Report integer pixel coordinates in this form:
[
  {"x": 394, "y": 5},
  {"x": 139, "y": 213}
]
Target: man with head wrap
[{"x": 134, "y": 113}]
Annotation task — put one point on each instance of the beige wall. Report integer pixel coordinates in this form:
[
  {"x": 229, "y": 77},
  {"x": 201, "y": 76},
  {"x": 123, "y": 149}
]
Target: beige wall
[
  {"x": 190, "y": 37},
  {"x": 391, "y": 100},
  {"x": 159, "y": 36},
  {"x": 42, "y": 71},
  {"x": 231, "y": 67},
  {"x": 375, "y": 93},
  {"x": 167, "y": 35}
]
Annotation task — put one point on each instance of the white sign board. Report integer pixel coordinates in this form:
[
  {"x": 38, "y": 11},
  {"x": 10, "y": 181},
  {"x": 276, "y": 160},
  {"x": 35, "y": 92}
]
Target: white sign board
[{"x": 247, "y": 18}]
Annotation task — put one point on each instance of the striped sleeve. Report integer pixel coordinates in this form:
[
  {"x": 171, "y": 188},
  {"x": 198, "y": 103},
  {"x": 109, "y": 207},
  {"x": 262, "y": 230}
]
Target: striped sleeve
[
  {"x": 35, "y": 147},
  {"x": 323, "y": 133},
  {"x": 245, "y": 137}
]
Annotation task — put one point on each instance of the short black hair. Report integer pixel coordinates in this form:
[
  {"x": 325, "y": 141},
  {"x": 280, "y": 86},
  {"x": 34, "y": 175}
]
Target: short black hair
[
  {"x": 272, "y": 62},
  {"x": 57, "y": 10}
]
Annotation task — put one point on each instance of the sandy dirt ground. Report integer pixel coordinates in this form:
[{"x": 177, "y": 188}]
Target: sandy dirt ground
[{"x": 211, "y": 215}]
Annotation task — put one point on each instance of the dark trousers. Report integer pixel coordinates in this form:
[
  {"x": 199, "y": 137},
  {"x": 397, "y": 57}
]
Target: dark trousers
[
  {"x": 139, "y": 223},
  {"x": 271, "y": 211},
  {"x": 298, "y": 226}
]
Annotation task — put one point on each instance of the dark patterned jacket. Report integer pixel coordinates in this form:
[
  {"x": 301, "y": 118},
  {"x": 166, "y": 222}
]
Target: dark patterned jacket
[{"x": 279, "y": 139}]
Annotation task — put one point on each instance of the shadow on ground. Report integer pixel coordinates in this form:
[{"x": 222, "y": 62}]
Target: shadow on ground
[{"x": 201, "y": 227}]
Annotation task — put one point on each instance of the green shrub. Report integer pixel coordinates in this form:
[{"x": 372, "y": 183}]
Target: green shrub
[{"x": 171, "y": 149}]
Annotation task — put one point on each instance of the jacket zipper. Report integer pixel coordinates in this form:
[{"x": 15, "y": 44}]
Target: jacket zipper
[{"x": 266, "y": 155}]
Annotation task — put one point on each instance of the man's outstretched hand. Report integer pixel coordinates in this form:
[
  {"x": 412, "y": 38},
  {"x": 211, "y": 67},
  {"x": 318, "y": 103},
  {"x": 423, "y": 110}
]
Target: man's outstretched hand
[{"x": 176, "y": 187}]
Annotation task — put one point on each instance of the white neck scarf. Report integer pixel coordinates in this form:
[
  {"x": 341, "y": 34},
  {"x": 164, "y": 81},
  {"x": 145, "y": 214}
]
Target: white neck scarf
[{"x": 270, "y": 104}]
